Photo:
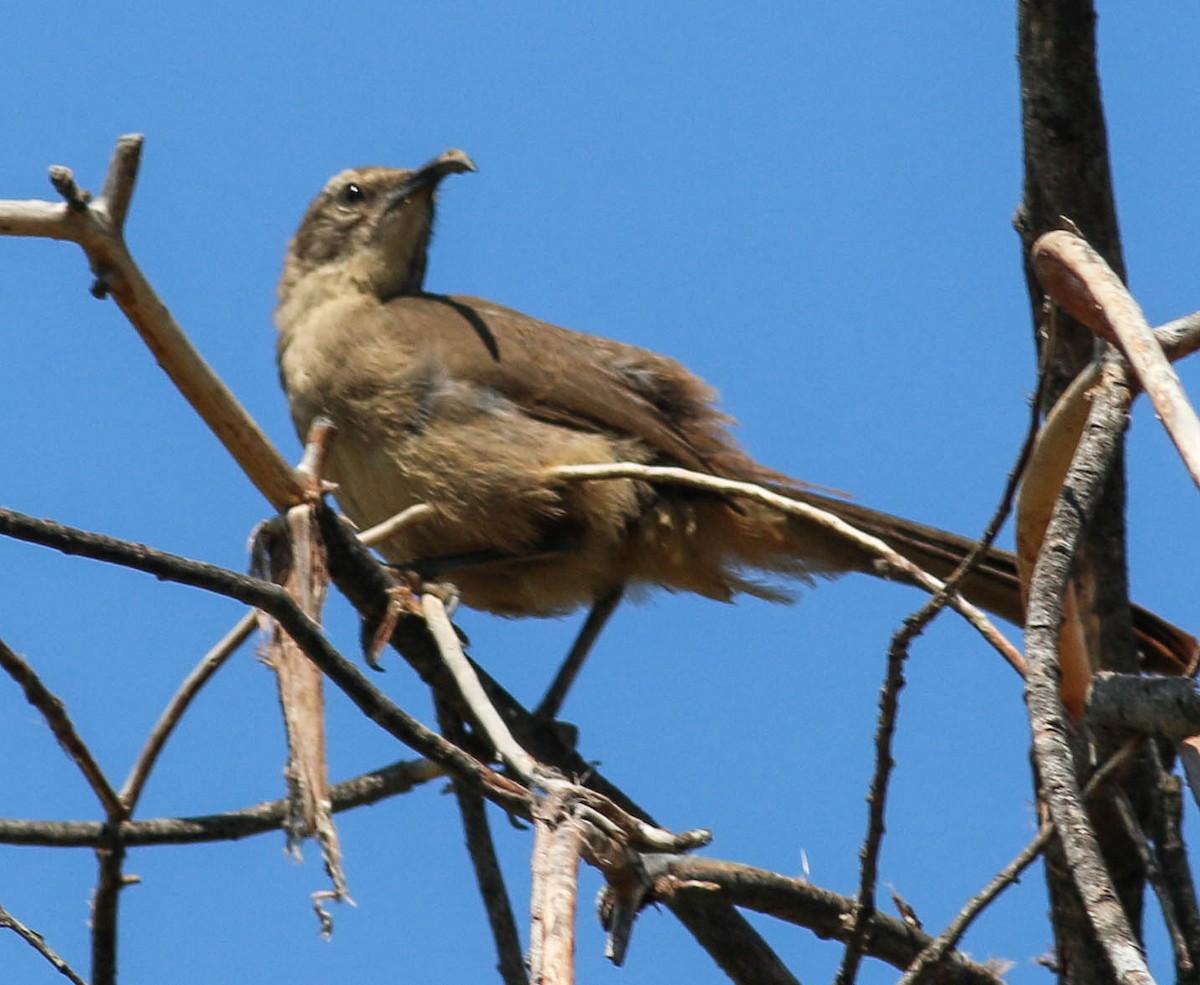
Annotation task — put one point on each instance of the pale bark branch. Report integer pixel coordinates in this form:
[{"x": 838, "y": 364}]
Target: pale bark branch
[
  {"x": 1048, "y": 720},
  {"x": 97, "y": 226},
  {"x": 1077, "y": 278},
  {"x": 752, "y": 491}
]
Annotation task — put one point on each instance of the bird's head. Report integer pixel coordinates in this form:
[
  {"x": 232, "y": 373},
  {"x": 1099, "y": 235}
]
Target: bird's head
[{"x": 370, "y": 228}]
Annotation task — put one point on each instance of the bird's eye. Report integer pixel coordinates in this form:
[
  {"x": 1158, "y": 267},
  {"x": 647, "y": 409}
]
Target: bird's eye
[{"x": 352, "y": 194}]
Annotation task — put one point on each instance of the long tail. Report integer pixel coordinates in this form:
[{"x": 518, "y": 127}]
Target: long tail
[{"x": 993, "y": 584}]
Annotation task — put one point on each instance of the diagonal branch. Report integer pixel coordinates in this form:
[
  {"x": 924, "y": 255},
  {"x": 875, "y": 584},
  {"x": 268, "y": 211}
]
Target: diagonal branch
[
  {"x": 97, "y": 226},
  {"x": 55, "y": 713},
  {"x": 307, "y": 634},
  {"x": 488, "y": 874},
  {"x": 38, "y": 943},
  {"x": 874, "y": 545},
  {"x": 209, "y": 664}
]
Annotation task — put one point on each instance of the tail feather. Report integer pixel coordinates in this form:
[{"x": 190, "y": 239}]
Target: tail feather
[{"x": 993, "y": 583}]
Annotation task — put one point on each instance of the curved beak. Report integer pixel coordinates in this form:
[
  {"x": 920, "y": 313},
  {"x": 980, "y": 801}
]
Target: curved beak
[{"x": 429, "y": 175}]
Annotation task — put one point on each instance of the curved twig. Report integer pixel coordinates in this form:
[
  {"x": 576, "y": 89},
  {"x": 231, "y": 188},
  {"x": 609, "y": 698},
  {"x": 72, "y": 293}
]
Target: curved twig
[
  {"x": 55, "y": 713},
  {"x": 750, "y": 490}
]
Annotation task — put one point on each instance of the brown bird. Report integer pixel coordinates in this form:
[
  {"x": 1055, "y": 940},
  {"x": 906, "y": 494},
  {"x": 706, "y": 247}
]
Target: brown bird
[{"x": 465, "y": 405}]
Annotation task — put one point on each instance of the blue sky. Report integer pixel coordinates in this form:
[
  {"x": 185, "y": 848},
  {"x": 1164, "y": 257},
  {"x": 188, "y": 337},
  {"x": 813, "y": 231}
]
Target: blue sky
[{"x": 809, "y": 205}]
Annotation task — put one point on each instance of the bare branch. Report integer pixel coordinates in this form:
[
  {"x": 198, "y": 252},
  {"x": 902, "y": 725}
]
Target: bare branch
[
  {"x": 702, "y": 480},
  {"x": 679, "y": 878},
  {"x": 369, "y": 788},
  {"x": 54, "y": 711},
  {"x": 307, "y": 634},
  {"x": 1168, "y": 707},
  {"x": 482, "y": 709},
  {"x": 938, "y": 948},
  {"x": 1171, "y": 854},
  {"x": 106, "y": 901},
  {"x": 1077, "y": 277},
  {"x": 488, "y": 874},
  {"x": 1051, "y": 750},
  {"x": 121, "y": 179},
  {"x": 38, "y": 943},
  {"x": 97, "y": 226},
  {"x": 1179, "y": 944},
  {"x": 209, "y": 664},
  {"x": 885, "y": 730},
  {"x": 558, "y": 842}
]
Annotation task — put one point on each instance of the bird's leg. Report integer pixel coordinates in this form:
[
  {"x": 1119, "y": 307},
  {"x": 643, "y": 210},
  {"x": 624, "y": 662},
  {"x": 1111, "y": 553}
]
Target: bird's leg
[{"x": 601, "y": 611}]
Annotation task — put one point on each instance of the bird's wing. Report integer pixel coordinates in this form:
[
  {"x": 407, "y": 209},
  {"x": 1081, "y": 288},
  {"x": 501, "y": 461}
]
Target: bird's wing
[{"x": 576, "y": 380}]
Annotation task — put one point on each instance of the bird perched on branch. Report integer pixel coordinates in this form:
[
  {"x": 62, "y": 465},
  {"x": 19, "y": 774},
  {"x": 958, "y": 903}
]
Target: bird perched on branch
[{"x": 468, "y": 407}]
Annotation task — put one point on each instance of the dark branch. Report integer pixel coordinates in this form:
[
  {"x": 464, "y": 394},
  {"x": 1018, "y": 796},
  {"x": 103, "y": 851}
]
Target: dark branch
[
  {"x": 55, "y": 712},
  {"x": 688, "y": 879},
  {"x": 369, "y": 788}
]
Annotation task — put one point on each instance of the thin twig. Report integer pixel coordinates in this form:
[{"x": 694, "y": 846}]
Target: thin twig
[
  {"x": 885, "y": 730},
  {"x": 54, "y": 711},
  {"x": 1173, "y": 862},
  {"x": 938, "y": 948},
  {"x": 916, "y": 624},
  {"x": 898, "y": 651},
  {"x": 750, "y": 490},
  {"x": 1179, "y": 944},
  {"x": 523, "y": 764},
  {"x": 38, "y": 943},
  {"x": 597, "y": 618},
  {"x": 209, "y": 664},
  {"x": 212, "y": 661},
  {"x": 394, "y": 524},
  {"x": 942, "y": 945},
  {"x": 488, "y": 874}
]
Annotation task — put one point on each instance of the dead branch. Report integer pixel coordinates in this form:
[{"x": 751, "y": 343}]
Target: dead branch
[
  {"x": 482, "y": 851},
  {"x": 1077, "y": 278},
  {"x": 307, "y": 634},
  {"x": 1167, "y": 707},
  {"x": 557, "y": 846},
  {"x": 97, "y": 225},
  {"x": 683, "y": 878},
  {"x": 1051, "y": 748},
  {"x": 54, "y": 711},
  {"x": 38, "y": 943},
  {"x": 369, "y": 788},
  {"x": 749, "y": 490},
  {"x": 208, "y": 665},
  {"x": 885, "y": 731}
]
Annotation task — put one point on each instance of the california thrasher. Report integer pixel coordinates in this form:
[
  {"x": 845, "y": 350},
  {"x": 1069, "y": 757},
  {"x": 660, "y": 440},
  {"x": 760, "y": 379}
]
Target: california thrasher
[{"x": 465, "y": 405}]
